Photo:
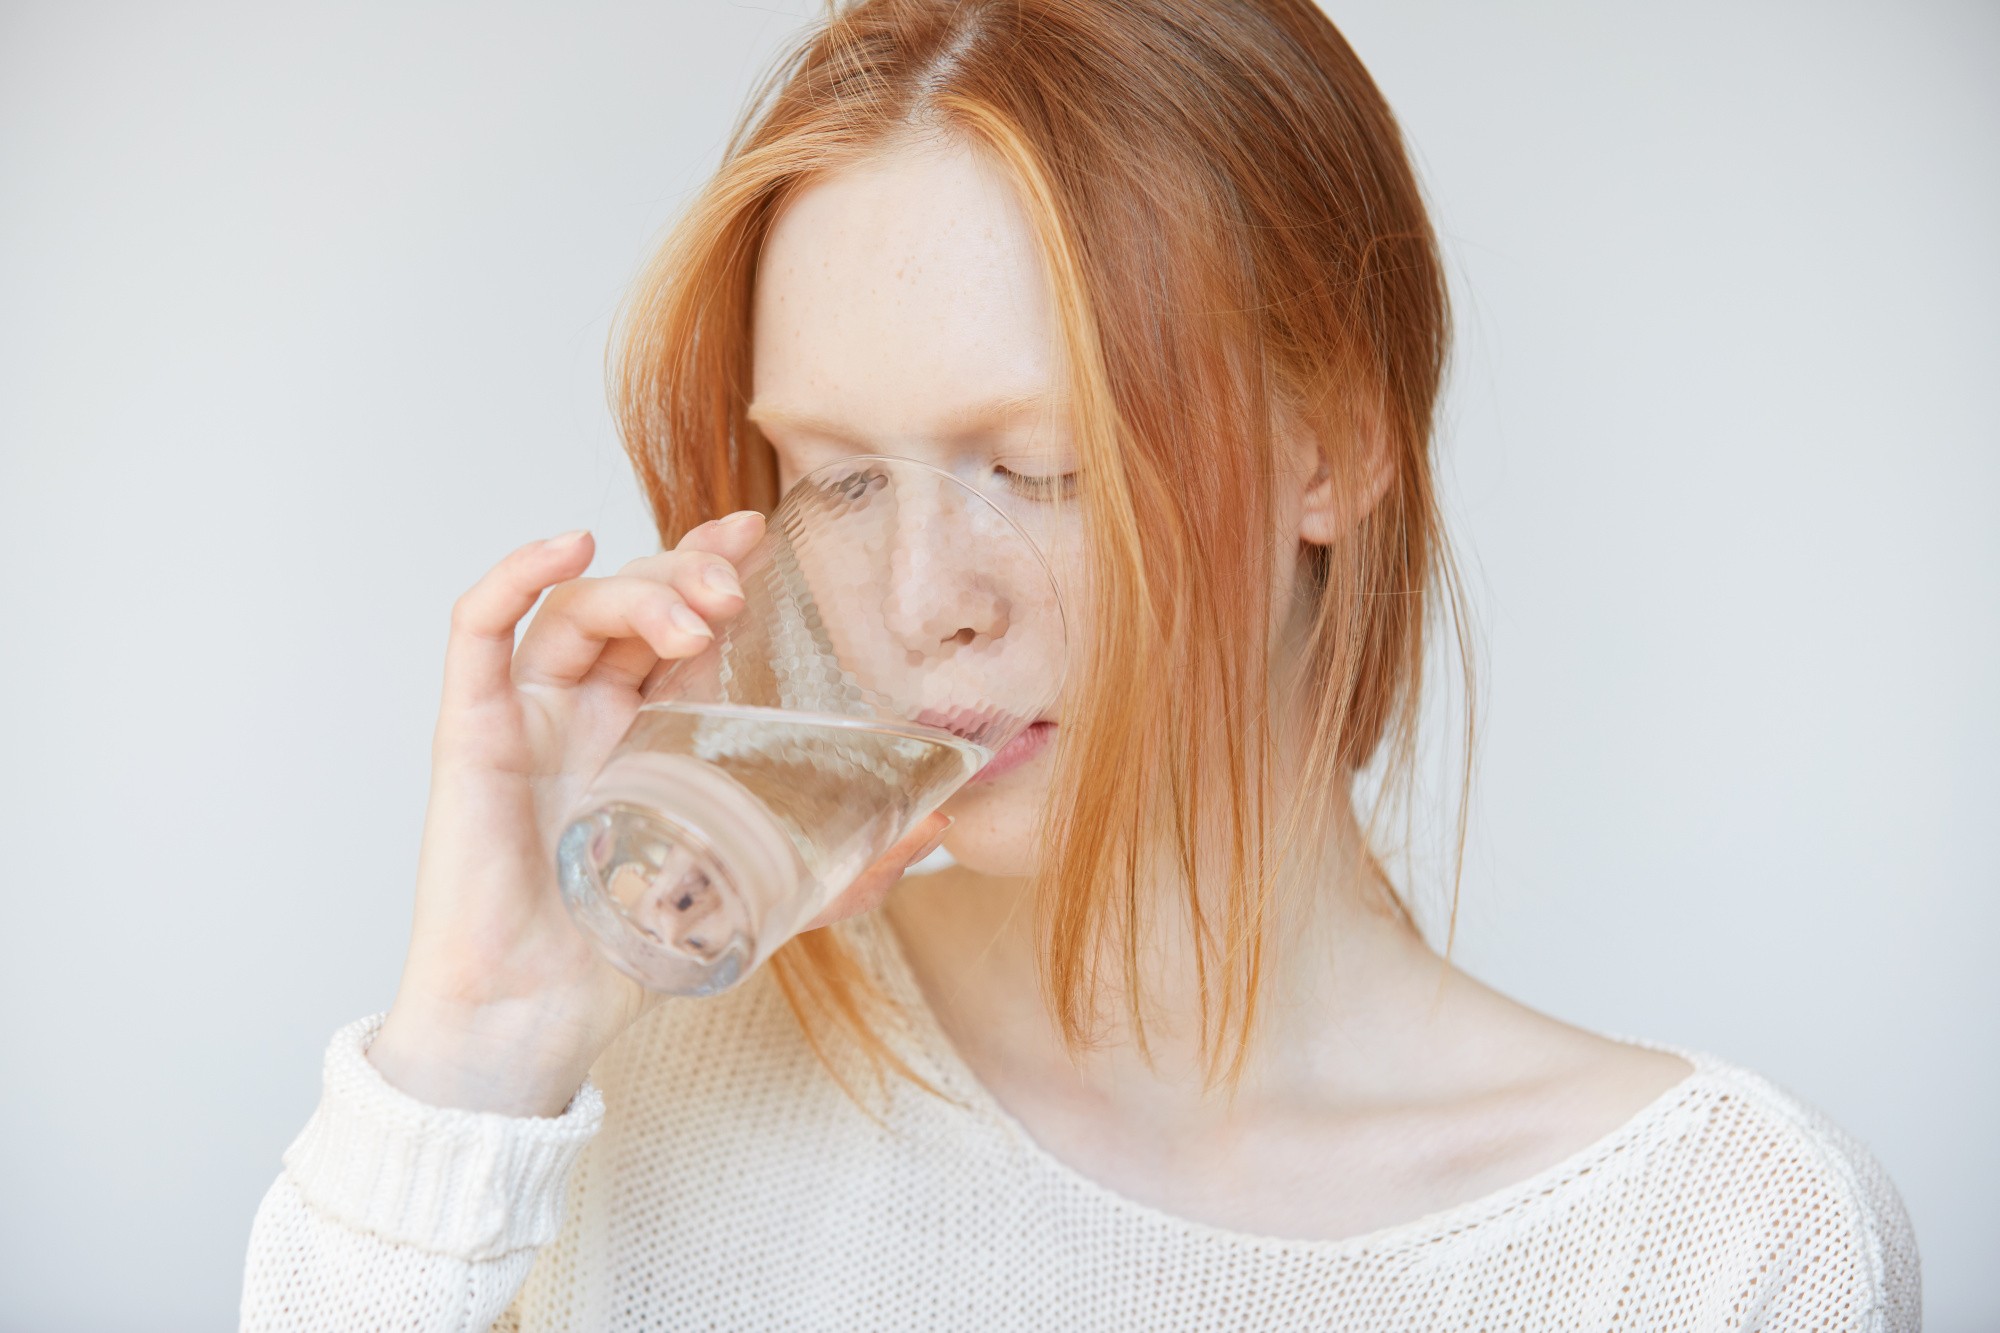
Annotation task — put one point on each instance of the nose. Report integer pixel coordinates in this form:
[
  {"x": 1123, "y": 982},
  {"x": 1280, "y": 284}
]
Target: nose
[{"x": 939, "y": 600}]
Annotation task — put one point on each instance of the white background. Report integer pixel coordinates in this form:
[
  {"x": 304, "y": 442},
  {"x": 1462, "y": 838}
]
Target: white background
[{"x": 302, "y": 313}]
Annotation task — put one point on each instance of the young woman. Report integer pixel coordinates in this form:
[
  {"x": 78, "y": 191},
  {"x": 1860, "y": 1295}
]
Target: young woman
[{"x": 1164, "y": 1048}]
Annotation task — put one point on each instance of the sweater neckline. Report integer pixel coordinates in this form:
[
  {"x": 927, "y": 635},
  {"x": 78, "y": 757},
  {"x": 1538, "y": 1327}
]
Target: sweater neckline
[{"x": 957, "y": 1077}]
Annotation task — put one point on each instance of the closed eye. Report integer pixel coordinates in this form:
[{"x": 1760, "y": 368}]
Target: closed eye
[{"x": 1055, "y": 486}]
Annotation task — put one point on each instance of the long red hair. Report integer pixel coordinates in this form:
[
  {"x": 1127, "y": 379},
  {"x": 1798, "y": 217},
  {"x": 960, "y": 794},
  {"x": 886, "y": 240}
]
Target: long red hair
[{"x": 1232, "y": 235}]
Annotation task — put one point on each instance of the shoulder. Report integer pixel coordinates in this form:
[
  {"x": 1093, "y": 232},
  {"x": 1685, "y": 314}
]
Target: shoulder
[{"x": 1813, "y": 1225}]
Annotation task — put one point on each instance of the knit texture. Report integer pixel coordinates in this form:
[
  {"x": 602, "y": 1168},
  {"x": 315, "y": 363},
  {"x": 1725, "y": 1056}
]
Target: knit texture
[{"x": 730, "y": 1184}]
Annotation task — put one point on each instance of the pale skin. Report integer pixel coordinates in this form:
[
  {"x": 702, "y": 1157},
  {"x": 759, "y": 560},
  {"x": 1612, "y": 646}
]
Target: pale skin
[{"x": 900, "y": 308}]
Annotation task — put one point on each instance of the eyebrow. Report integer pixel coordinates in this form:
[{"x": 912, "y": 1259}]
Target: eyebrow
[{"x": 989, "y": 415}]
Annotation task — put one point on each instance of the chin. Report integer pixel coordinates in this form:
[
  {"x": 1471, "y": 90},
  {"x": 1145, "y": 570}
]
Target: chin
[
  {"x": 994, "y": 858},
  {"x": 997, "y": 828}
]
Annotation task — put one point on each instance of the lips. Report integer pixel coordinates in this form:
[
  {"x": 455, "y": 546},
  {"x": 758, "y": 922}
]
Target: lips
[
  {"x": 1017, "y": 752},
  {"x": 976, "y": 724}
]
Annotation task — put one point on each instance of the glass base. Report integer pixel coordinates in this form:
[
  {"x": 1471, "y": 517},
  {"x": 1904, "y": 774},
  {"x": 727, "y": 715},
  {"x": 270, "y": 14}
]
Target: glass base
[{"x": 659, "y": 902}]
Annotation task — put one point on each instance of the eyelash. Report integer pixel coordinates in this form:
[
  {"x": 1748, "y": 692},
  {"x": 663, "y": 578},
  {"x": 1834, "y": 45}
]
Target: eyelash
[{"x": 1039, "y": 488}]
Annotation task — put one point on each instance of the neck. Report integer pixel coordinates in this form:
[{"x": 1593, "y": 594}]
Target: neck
[{"x": 1344, "y": 978}]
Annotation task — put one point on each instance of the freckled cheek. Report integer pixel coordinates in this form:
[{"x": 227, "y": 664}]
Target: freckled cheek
[{"x": 1079, "y": 606}]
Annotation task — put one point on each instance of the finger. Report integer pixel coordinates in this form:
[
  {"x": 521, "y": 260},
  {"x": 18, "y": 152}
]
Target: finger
[
  {"x": 479, "y": 654},
  {"x": 869, "y": 888},
  {"x": 730, "y": 536},
  {"x": 569, "y": 636},
  {"x": 703, "y": 564},
  {"x": 708, "y": 583}
]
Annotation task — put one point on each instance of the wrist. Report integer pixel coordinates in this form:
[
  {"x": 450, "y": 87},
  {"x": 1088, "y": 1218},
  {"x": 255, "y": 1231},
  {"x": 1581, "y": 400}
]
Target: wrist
[
  {"x": 444, "y": 1181},
  {"x": 484, "y": 1059}
]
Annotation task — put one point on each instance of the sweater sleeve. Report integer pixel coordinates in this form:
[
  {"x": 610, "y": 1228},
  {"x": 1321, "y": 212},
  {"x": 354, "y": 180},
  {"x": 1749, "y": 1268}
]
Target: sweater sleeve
[
  {"x": 1852, "y": 1262},
  {"x": 392, "y": 1213},
  {"x": 1835, "y": 1248}
]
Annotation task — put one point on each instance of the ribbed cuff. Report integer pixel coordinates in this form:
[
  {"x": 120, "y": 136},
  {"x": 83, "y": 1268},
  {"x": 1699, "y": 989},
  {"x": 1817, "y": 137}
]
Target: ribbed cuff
[{"x": 471, "y": 1184}]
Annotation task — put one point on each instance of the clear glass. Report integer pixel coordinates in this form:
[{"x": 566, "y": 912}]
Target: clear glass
[{"x": 898, "y": 630}]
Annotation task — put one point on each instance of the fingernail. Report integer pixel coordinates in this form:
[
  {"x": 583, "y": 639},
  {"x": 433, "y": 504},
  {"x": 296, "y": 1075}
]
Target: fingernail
[
  {"x": 934, "y": 843},
  {"x": 723, "y": 579},
  {"x": 689, "y": 621},
  {"x": 567, "y": 539},
  {"x": 741, "y": 517}
]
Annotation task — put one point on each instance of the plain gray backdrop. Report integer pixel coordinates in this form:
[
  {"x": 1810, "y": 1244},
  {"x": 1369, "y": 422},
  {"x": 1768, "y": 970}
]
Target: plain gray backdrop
[{"x": 302, "y": 317}]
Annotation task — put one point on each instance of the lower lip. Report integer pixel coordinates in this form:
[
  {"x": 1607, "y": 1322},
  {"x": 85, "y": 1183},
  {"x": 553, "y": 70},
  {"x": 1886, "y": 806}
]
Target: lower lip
[{"x": 1016, "y": 752}]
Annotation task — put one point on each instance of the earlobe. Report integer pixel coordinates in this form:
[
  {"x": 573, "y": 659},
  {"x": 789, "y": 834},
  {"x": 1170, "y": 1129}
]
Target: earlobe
[
  {"x": 1319, "y": 518},
  {"x": 1333, "y": 504}
]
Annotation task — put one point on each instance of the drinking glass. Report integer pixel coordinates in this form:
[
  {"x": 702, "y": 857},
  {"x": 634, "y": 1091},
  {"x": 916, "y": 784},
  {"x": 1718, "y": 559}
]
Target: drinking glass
[{"x": 899, "y": 629}]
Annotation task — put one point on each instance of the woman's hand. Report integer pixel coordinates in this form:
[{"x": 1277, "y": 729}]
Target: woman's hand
[{"x": 504, "y": 1004}]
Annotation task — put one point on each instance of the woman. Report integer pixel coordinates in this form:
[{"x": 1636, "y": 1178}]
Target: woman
[{"x": 1164, "y": 1047}]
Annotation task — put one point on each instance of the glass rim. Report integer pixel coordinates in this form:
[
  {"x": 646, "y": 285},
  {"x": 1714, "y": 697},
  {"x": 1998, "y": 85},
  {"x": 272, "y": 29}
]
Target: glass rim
[{"x": 1041, "y": 558}]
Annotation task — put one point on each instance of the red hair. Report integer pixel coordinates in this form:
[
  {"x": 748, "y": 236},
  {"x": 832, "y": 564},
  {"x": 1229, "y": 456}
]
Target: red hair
[{"x": 1234, "y": 240}]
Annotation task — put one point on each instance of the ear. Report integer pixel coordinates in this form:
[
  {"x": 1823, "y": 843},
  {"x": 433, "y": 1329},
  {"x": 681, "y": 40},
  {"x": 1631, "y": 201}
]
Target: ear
[{"x": 1336, "y": 499}]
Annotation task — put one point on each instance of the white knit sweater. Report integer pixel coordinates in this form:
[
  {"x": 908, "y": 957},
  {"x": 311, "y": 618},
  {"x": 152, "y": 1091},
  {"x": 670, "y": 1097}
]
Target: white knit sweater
[{"x": 720, "y": 1180}]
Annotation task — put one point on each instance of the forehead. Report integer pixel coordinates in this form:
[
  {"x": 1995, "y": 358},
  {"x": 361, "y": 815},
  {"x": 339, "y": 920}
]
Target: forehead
[{"x": 898, "y": 292}]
